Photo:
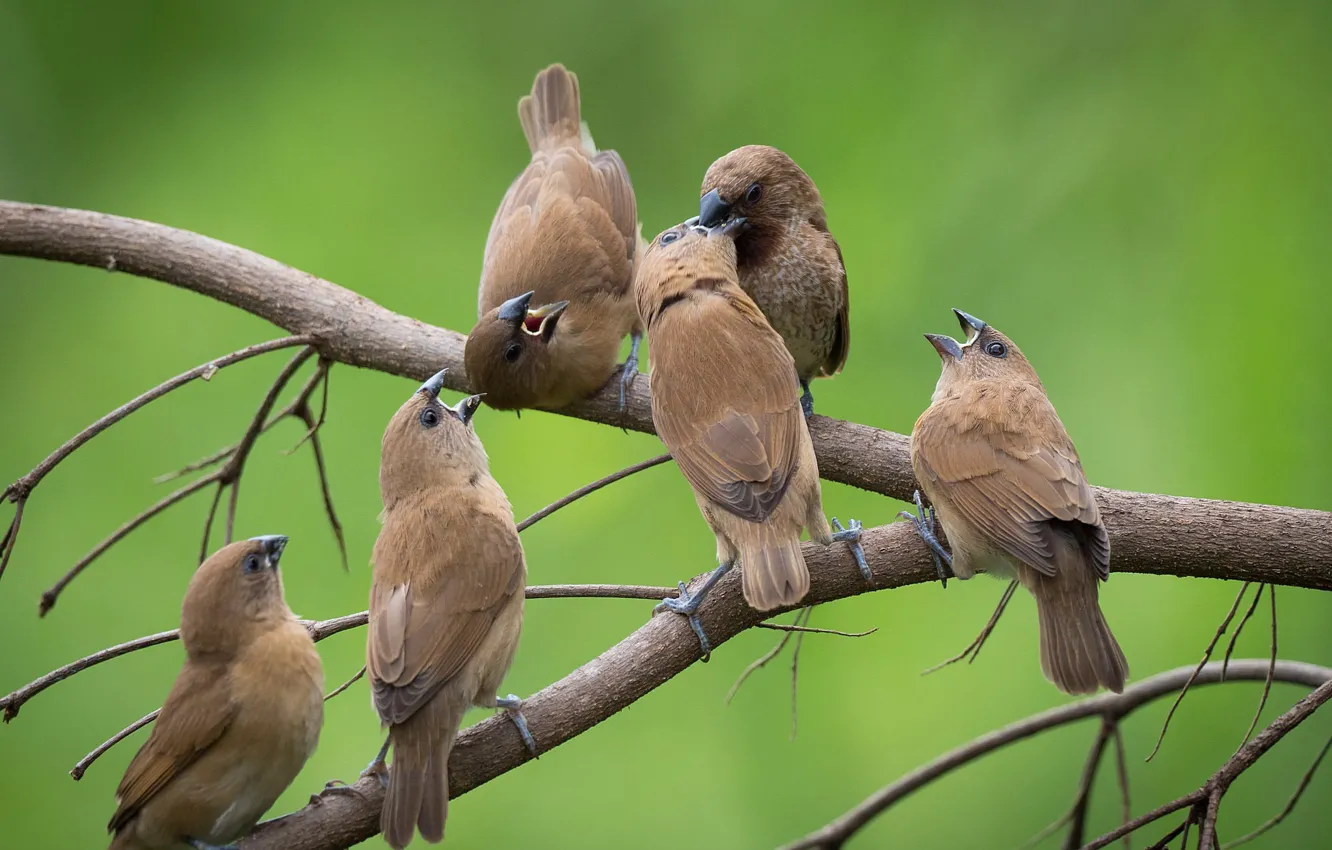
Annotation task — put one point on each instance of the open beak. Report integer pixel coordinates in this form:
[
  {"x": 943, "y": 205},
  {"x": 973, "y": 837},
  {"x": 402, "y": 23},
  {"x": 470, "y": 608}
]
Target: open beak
[
  {"x": 273, "y": 545},
  {"x": 541, "y": 321},
  {"x": 945, "y": 345},
  {"x": 971, "y": 325},
  {"x": 466, "y": 408},
  {"x": 712, "y": 210},
  {"x": 730, "y": 227},
  {"x": 434, "y": 385},
  {"x": 514, "y": 310}
]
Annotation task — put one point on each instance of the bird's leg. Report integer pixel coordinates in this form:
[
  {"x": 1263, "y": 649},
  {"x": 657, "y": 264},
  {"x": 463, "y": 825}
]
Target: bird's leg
[
  {"x": 377, "y": 767},
  {"x": 513, "y": 707},
  {"x": 202, "y": 845},
  {"x": 923, "y": 520},
  {"x": 806, "y": 399},
  {"x": 851, "y": 535},
  {"x": 687, "y": 604},
  {"x": 630, "y": 366}
]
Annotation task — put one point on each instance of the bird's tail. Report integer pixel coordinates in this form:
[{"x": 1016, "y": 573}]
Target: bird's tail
[
  {"x": 1078, "y": 650},
  {"x": 418, "y": 789},
  {"x": 772, "y": 567},
  {"x": 551, "y": 114}
]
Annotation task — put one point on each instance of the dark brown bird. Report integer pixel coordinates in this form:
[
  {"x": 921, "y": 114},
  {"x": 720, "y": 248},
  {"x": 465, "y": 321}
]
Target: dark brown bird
[
  {"x": 789, "y": 263},
  {"x": 725, "y": 400},
  {"x": 242, "y": 717},
  {"x": 557, "y": 280},
  {"x": 1002, "y": 474},
  {"x": 446, "y": 602}
]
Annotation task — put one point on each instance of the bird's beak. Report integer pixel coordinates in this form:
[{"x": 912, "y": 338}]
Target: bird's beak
[
  {"x": 971, "y": 325},
  {"x": 541, "y": 321},
  {"x": 712, "y": 210},
  {"x": 434, "y": 385},
  {"x": 945, "y": 345},
  {"x": 514, "y": 310},
  {"x": 273, "y": 545},
  {"x": 467, "y": 407},
  {"x": 731, "y": 227}
]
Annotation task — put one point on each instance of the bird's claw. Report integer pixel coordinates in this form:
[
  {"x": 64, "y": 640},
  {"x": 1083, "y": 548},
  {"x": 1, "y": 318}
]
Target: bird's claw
[
  {"x": 513, "y": 707},
  {"x": 630, "y": 369},
  {"x": 806, "y": 399},
  {"x": 924, "y": 520},
  {"x": 851, "y": 535},
  {"x": 687, "y": 605}
]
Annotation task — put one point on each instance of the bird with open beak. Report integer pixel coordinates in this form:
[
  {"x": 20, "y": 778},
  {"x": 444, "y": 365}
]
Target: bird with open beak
[
  {"x": 241, "y": 719},
  {"x": 1006, "y": 485},
  {"x": 788, "y": 261},
  {"x": 556, "y": 297},
  {"x": 446, "y": 603},
  {"x": 725, "y": 400}
]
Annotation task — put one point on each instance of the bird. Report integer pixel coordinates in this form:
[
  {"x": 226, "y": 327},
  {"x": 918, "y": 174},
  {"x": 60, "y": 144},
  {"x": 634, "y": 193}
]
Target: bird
[
  {"x": 446, "y": 603},
  {"x": 556, "y": 294},
  {"x": 725, "y": 400},
  {"x": 1007, "y": 486},
  {"x": 242, "y": 717},
  {"x": 789, "y": 262}
]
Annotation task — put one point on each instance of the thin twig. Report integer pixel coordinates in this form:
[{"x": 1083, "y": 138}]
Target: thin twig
[
  {"x": 1207, "y": 655},
  {"x": 1170, "y": 836},
  {"x": 84, "y": 763},
  {"x": 591, "y": 488},
  {"x": 1267, "y": 683},
  {"x": 345, "y": 685},
  {"x": 321, "y": 376},
  {"x": 1121, "y": 769},
  {"x": 11, "y": 534},
  {"x": 1142, "y": 820},
  {"x": 763, "y": 659},
  {"x": 973, "y": 649},
  {"x": 1234, "y": 639},
  {"x": 1290, "y": 804},
  {"x": 790, "y": 627},
  {"x": 1076, "y": 814},
  {"x": 802, "y": 620}
]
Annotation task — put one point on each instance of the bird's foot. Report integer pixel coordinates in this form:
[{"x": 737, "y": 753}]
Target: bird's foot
[
  {"x": 687, "y": 604},
  {"x": 378, "y": 768},
  {"x": 851, "y": 535},
  {"x": 203, "y": 845},
  {"x": 806, "y": 399},
  {"x": 630, "y": 368},
  {"x": 923, "y": 519},
  {"x": 513, "y": 707}
]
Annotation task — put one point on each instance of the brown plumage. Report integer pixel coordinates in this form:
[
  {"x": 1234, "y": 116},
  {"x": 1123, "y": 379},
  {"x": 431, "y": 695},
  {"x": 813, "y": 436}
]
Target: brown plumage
[
  {"x": 242, "y": 717},
  {"x": 556, "y": 294},
  {"x": 788, "y": 261},
  {"x": 1009, "y": 490},
  {"x": 725, "y": 402},
  {"x": 446, "y": 600}
]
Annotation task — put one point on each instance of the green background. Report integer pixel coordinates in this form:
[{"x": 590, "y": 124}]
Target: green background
[{"x": 1138, "y": 193}]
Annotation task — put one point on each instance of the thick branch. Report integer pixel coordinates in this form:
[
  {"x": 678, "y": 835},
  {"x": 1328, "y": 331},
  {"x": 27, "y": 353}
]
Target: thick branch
[{"x": 1159, "y": 534}]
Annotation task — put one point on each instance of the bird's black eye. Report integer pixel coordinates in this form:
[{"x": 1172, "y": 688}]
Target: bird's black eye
[
  {"x": 669, "y": 236},
  {"x": 430, "y": 417},
  {"x": 754, "y": 193},
  {"x": 996, "y": 349},
  {"x": 511, "y": 353},
  {"x": 251, "y": 564}
]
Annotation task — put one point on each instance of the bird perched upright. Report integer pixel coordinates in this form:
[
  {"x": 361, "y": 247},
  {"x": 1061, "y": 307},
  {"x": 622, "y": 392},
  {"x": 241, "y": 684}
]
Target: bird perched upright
[
  {"x": 556, "y": 294},
  {"x": 725, "y": 402},
  {"x": 1002, "y": 474},
  {"x": 242, "y": 717},
  {"x": 788, "y": 261},
  {"x": 446, "y": 602}
]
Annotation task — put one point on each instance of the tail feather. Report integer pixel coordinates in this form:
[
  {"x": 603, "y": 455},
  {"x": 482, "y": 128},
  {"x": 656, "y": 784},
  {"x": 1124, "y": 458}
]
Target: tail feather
[
  {"x": 772, "y": 567},
  {"x": 1078, "y": 650},
  {"x": 550, "y": 115},
  {"x": 418, "y": 790}
]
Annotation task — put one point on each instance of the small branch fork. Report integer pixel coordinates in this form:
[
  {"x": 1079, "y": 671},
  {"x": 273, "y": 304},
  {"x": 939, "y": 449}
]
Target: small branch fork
[{"x": 1203, "y": 802}]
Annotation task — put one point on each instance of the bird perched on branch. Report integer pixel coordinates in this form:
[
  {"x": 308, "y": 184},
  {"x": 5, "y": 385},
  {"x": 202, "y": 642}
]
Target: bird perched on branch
[
  {"x": 1001, "y": 472},
  {"x": 788, "y": 261},
  {"x": 242, "y": 717},
  {"x": 446, "y": 603},
  {"x": 725, "y": 400},
  {"x": 556, "y": 296}
]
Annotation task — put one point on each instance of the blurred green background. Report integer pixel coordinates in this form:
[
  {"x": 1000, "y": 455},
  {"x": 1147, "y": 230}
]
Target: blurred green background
[{"x": 1136, "y": 192}]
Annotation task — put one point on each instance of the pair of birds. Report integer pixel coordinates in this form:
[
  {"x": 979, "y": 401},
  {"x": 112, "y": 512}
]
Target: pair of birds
[{"x": 742, "y": 307}]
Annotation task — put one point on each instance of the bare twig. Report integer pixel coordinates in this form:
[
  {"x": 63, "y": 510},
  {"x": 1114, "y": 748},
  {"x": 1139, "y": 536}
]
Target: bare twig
[
  {"x": 802, "y": 620},
  {"x": 345, "y": 685},
  {"x": 791, "y": 627},
  {"x": 1076, "y": 816},
  {"x": 1121, "y": 770},
  {"x": 762, "y": 660},
  {"x": 84, "y": 763},
  {"x": 1170, "y": 836},
  {"x": 973, "y": 649},
  {"x": 1290, "y": 804},
  {"x": 591, "y": 488},
  {"x": 1267, "y": 683},
  {"x": 1234, "y": 639}
]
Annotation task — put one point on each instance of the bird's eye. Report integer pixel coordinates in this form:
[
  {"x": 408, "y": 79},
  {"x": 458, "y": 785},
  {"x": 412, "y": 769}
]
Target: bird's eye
[
  {"x": 430, "y": 417},
  {"x": 669, "y": 236},
  {"x": 996, "y": 349},
  {"x": 511, "y": 353},
  {"x": 252, "y": 564},
  {"x": 754, "y": 193}
]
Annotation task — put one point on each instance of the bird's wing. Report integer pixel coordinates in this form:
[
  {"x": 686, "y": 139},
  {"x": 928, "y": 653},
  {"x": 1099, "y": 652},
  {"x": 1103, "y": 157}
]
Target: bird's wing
[
  {"x": 733, "y": 429},
  {"x": 424, "y": 630},
  {"x": 841, "y": 346},
  {"x": 1002, "y": 458},
  {"x": 196, "y": 714}
]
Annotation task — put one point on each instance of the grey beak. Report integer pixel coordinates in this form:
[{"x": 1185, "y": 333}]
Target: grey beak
[
  {"x": 465, "y": 409},
  {"x": 945, "y": 345},
  {"x": 434, "y": 385},
  {"x": 273, "y": 545},
  {"x": 712, "y": 210},
  {"x": 969, "y": 322},
  {"x": 515, "y": 309},
  {"x": 730, "y": 227}
]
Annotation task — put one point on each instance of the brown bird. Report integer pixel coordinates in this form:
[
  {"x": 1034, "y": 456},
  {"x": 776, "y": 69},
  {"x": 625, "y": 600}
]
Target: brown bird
[
  {"x": 446, "y": 602},
  {"x": 1008, "y": 488},
  {"x": 565, "y": 238},
  {"x": 789, "y": 263},
  {"x": 242, "y": 717},
  {"x": 725, "y": 402}
]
